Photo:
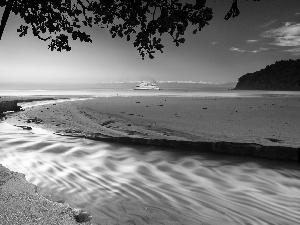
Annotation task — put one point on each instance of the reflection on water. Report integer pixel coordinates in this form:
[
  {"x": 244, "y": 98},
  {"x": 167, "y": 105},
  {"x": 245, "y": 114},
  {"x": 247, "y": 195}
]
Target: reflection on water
[{"x": 121, "y": 184}]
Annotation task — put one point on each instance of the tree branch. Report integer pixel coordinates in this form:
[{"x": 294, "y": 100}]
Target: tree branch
[{"x": 5, "y": 16}]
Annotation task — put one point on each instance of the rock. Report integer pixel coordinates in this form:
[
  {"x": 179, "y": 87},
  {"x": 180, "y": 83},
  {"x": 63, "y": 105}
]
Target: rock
[
  {"x": 34, "y": 120},
  {"x": 9, "y": 106},
  {"x": 27, "y": 128},
  {"x": 275, "y": 140},
  {"x": 81, "y": 216}
]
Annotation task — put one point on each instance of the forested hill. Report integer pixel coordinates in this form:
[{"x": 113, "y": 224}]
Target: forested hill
[{"x": 283, "y": 75}]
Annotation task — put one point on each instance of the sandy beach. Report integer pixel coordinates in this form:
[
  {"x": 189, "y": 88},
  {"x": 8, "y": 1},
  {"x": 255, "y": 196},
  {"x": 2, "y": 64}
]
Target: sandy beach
[
  {"x": 272, "y": 122},
  {"x": 265, "y": 121}
]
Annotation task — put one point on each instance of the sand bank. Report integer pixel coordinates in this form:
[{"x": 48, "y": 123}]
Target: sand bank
[
  {"x": 21, "y": 204},
  {"x": 265, "y": 127}
]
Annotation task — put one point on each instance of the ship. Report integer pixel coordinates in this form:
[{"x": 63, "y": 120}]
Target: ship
[{"x": 144, "y": 85}]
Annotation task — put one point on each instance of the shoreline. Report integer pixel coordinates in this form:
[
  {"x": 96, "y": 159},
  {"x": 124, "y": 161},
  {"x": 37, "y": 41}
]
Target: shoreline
[
  {"x": 153, "y": 124},
  {"x": 133, "y": 120},
  {"x": 20, "y": 203}
]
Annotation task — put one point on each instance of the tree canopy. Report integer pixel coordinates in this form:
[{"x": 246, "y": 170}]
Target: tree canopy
[{"x": 144, "y": 20}]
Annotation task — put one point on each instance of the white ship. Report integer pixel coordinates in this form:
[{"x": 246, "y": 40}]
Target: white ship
[{"x": 143, "y": 85}]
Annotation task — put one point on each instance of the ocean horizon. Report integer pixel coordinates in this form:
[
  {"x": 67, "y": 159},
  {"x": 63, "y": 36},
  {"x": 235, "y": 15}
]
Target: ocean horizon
[{"x": 167, "y": 89}]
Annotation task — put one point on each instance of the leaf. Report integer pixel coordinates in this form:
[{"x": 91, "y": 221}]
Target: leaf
[
  {"x": 200, "y": 3},
  {"x": 151, "y": 56},
  {"x": 233, "y": 12},
  {"x": 228, "y": 15},
  {"x": 181, "y": 40}
]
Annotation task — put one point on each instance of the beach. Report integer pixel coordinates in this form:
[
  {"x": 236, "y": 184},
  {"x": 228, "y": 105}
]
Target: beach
[
  {"x": 68, "y": 156},
  {"x": 270, "y": 121}
]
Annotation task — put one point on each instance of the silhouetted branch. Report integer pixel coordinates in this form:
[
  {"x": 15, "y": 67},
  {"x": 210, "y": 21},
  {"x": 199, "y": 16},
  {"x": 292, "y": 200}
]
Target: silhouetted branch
[
  {"x": 146, "y": 19},
  {"x": 5, "y": 16}
]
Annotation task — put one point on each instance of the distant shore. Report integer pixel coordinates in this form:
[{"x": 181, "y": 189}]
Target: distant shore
[{"x": 262, "y": 127}]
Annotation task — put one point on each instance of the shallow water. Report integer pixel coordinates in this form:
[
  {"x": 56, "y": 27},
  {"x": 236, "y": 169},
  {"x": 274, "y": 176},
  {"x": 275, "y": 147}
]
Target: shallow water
[
  {"x": 121, "y": 184},
  {"x": 173, "y": 91}
]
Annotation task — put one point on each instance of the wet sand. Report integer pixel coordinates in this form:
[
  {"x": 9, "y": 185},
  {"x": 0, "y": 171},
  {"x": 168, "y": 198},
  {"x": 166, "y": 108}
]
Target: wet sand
[
  {"x": 21, "y": 204},
  {"x": 134, "y": 184},
  {"x": 265, "y": 121}
]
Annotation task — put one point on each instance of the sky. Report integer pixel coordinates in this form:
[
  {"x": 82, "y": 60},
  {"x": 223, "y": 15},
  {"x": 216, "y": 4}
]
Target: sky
[{"x": 266, "y": 31}]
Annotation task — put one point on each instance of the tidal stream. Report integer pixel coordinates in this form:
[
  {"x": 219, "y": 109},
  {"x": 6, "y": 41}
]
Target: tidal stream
[{"x": 119, "y": 184}]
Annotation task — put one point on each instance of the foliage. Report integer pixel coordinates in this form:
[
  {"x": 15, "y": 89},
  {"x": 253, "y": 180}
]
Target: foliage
[
  {"x": 283, "y": 75},
  {"x": 145, "y": 20}
]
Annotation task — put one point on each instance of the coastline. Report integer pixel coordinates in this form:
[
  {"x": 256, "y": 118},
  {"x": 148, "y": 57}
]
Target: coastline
[
  {"x": 198, "y": 125},
  {"x": 20, "y": 203},
  {"x": 259, "y": 127}
]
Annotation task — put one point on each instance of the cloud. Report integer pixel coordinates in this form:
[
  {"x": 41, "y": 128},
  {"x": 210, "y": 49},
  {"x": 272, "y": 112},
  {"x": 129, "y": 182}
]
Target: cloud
[
  {"x": 297, "y": 14},
  {"x": 294, "y": 51},
  {"x": 214, "y": 43},
  {"x": 236, "y": 49},
  {"x": 259, "y": 50},
  {"x": 253, "y": 51},
  {"x": 287, "y": 35},
  {"x": 251, "y": 41},
  {"x": 268, "y": 23}
]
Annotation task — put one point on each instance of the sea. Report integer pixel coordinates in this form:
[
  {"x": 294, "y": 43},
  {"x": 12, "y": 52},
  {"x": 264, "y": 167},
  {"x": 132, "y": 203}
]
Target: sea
[
  {"x": 136, "y": 184},
  {"x": 170, "y": 89}
]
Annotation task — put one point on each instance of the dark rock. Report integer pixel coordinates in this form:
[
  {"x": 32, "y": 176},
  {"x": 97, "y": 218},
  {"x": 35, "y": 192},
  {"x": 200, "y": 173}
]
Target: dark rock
[
  {"x": 35, "y": 120},
  {"x": 26, "y": 128},
  {"x": 275, "y": 140},
  {"x": 9, "y": 106}
]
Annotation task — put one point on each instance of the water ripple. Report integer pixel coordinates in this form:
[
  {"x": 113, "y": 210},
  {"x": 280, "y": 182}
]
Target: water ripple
[{"x": 142, "y": 185}]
